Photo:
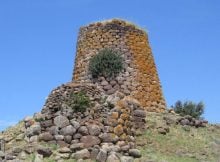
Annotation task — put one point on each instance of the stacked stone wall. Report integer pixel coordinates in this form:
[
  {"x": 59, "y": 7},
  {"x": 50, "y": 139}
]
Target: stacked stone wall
[{"x": 139, "y": 78}]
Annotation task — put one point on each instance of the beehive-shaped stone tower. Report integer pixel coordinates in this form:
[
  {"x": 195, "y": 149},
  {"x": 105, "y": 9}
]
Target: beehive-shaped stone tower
[{"x": 139, "y": 79}]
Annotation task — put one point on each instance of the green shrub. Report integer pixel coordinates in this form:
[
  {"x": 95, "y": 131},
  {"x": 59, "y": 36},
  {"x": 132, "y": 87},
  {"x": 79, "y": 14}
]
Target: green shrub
[
  {"x": 79, "y": 102},
  {"x": 107, "y": 63},
  {"x": 189, "y": 108}
]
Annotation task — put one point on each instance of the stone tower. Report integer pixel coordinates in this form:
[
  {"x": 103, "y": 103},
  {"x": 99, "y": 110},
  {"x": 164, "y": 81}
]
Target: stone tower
[{"x": 139, "y": 79}]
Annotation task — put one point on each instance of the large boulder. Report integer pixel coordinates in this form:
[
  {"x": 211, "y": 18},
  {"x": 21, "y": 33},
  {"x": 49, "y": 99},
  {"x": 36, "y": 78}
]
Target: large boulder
[
  {"x": 94, "y": 130},
  {"x": 46, "y": 152},
  {"x": 68, "y": 130},
  {"x": 82, "y": 154},
  {"x": 102, "y": 156},
  {"x": 61, "y": 121},
  {"x": 90, "y": 141}
]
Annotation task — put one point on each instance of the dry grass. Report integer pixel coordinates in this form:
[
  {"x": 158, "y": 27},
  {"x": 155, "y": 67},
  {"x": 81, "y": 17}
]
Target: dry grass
[{"x": 198, "y": 144}]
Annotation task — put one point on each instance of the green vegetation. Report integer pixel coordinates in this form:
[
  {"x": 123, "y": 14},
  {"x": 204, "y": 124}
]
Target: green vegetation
[
  {"x": 179, "y": 145},
  {"x": 107, "y": 63},
  {"x": 189, "y": 108},
  {"x": 79, "y": 101}
]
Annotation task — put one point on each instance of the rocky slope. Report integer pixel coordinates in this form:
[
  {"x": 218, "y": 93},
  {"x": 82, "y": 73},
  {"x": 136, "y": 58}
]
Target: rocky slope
[{"x": 167, "y": 137}]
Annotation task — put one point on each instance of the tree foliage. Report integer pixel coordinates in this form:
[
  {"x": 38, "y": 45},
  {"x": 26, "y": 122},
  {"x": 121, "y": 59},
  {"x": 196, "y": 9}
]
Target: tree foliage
[
  {"x": 79, "y": 102},
  {"x": 107, "y": 63},
  {"x": 189, "y": 108}
]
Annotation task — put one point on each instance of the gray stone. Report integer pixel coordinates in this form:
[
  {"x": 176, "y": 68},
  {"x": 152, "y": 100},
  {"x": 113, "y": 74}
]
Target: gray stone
[
  {"x": 104, "y": 83},
  {"x": 139, "y": 113},
  {"x": 94, "y": 130},
  {"x": 110, "y": 91},
  {"x": 2, "y": 154},
  {"x": 46, "y": 123},
  {"x": 107, "y": 87},
  {"x": 83, "y": 130},
  {"x": 82, "y": 154},
  {"x": 68, "y": 139},
  {"x": 126, "y": 159},
  {"x": 161, "y": 130},
  {"x": 108, "y": 129},
  {"x": 112, "y": 158},
  {"x": 46, "y": 136},
  {"x": 34, "y": 139},
  {"x": 59, "y": 137},
  {"x": 20, "y": 137},
  {"x": 33, "y": 130},
  {"x": 22, "y": 155},
  {"x": 198, "y": 123},
  {"x": 184, "y": 122},
  {"x": 61, "y": 121},
  {"x": 64, "y": 150},
  {"x": 68, "y": 130},
  {"x": 94, "y": 153},
  {"x": 90, "y": 141},
  {"x": 77, "y": 146},
  {"x": 102, "y": 156},
  {"x": 113, "y": 82},
  {"x": 109, "y": 137},
  {"x": 77, "y": 136},
  {"x": 54, "y": 130},
  {"x": 135, "y": 153},
  {"x": 46, "y": 152},
  {"x": 125, "y": 148},
  {"x": 75, "y": 124},
  {"x": 64, "y": 155}
]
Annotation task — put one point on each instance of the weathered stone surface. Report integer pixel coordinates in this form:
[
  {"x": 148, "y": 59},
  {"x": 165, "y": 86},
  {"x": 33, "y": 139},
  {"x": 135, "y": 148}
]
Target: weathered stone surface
[
  {"x": 83, "y": 130},
  {"x": 135, "y": 153},
  {"x": 33, "y": 130},
  {"x": 59, "y": 137},
  {"x": 54, "y": 130},
  {"x": 68, "y": 130},
  {"x": 94, "y": 130},
  {"x": 184, "y": 122},
  {"x": 89, "y": 141},
  {"x": 64, "y": 150},
  {"x": 77, "y": 146},
  {"x": 46, "y": 152},
  {"x": 109, "y": 137},
  {"x": 82, "y": 154},
  {"x": 46, "y": 136},
  {"x": 75, "y": 124},
  {"x": 140, "y": 113},
  {"x": 126, "y": 159},
  {"x": 139, "y": 77},
  {"x": 118, "y": 130},
  {"x": 68, "y": 139},
  {"x": 94, "y": 153},
  {"x": 61, "y": 121},
  {"x": 34, "y": 139},
  {"x": 102, "y": 156},
  {"x": 46, "y": 123},
  {"x": 112, "y": 158}
]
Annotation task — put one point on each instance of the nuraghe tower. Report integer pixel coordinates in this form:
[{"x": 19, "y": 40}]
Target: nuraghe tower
[{"x": 140, "y": 78}]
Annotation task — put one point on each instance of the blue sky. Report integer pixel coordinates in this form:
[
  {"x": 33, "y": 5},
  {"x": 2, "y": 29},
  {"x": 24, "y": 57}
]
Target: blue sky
[{"x": 38, "y": 45}]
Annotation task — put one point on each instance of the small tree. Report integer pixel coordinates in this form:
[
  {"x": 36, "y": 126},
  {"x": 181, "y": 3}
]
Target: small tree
[
  {"x": 189, "y": 108},
  {"x": 79, "y": 101},
  {"x": 107, "y": 63}
]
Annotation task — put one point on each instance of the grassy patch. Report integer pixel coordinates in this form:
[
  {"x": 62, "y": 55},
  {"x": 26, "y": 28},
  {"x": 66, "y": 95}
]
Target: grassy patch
[{"x": 198, "y": 144}]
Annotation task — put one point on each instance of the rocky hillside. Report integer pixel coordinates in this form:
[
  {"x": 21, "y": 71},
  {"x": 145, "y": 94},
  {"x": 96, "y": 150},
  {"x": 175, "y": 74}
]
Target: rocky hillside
[{"x": 167, "y": 138}]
